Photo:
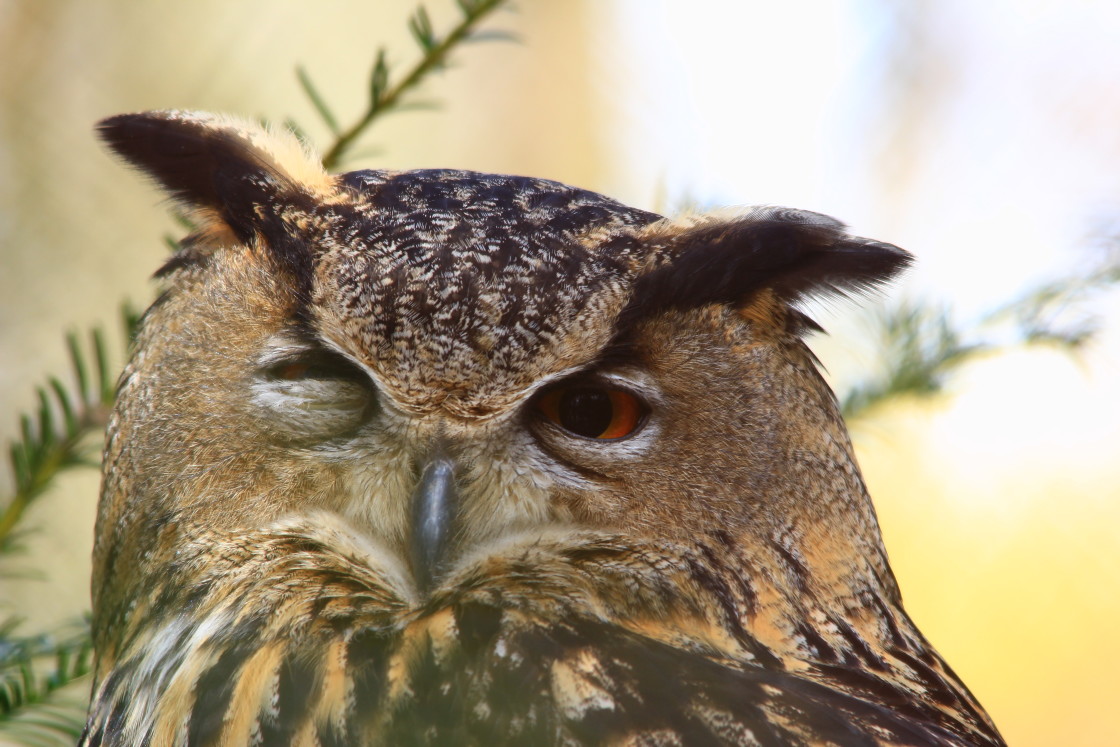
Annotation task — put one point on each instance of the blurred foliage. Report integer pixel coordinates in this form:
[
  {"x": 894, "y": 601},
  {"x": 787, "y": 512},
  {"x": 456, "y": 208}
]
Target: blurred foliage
[
  {"x": 920, "y": 345},
  {"x": 55, "y": 436},
  {"x": 43, "y": 694}
]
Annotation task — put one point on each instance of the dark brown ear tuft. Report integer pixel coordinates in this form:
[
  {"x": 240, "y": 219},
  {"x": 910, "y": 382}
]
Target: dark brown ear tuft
[
  {"x": 795, "y": 254},
  {"x": 201, "y": 160}
]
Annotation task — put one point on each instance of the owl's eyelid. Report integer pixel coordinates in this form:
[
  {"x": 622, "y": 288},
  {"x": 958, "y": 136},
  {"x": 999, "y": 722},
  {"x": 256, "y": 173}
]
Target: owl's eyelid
[
  {"x": 288, "y": 353},
  {"x": 632, "y": 380},
  {"x": 277, "y": 352}
]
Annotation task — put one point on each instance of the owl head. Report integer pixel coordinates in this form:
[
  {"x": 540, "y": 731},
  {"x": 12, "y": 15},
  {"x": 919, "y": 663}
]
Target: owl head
[
  {"x": 433, "y": 457},
  {"x": 452, "y": 363}
]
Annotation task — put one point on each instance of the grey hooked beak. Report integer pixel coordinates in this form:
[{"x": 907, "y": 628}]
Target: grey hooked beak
[{"x": 434, "y": 504}]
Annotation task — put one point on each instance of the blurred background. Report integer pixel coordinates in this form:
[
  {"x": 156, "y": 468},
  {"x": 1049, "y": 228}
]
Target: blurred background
[{"x": 983, "y": 137}]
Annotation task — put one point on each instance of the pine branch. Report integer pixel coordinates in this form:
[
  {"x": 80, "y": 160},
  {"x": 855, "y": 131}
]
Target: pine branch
[
  {"x": 384, "y": 97},
  {"x": 920, "y": 346},
  {"x": 54, "y": 437},
  {"x": 34, "y": 673},
  {"x": 1037, "y": 314}
]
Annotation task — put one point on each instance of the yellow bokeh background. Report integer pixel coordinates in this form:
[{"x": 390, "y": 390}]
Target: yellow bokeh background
[{"x": 981, "y": 136}]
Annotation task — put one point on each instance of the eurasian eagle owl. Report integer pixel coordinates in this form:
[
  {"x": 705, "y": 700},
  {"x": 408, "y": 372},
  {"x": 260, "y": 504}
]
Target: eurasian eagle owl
[{"x": 441, "y": 457}]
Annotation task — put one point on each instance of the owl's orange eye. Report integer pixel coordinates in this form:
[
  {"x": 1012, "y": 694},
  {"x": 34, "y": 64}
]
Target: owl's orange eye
[{"x": 593, "y": 411}]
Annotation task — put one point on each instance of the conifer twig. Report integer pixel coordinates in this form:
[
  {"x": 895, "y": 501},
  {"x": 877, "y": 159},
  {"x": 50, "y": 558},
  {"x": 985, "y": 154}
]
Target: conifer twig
[
  {"x": 920, "y": 346},
  {"x": 53, "y": 438},
  {"x": 383, "y": 96},
  {"x": 33, "y": 671}
]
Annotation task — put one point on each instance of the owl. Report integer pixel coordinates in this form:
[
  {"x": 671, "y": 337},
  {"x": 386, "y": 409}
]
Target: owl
[{"x": 448, "y": 458}]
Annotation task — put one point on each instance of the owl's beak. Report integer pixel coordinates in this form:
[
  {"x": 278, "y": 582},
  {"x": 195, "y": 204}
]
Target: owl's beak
[{"x": 434, "y": 504}]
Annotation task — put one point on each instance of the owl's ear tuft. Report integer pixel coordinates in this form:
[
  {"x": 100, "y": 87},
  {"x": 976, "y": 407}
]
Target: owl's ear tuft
[
  {"x": 794, "y": 254},
  {"x": 217, "y": 164}
]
